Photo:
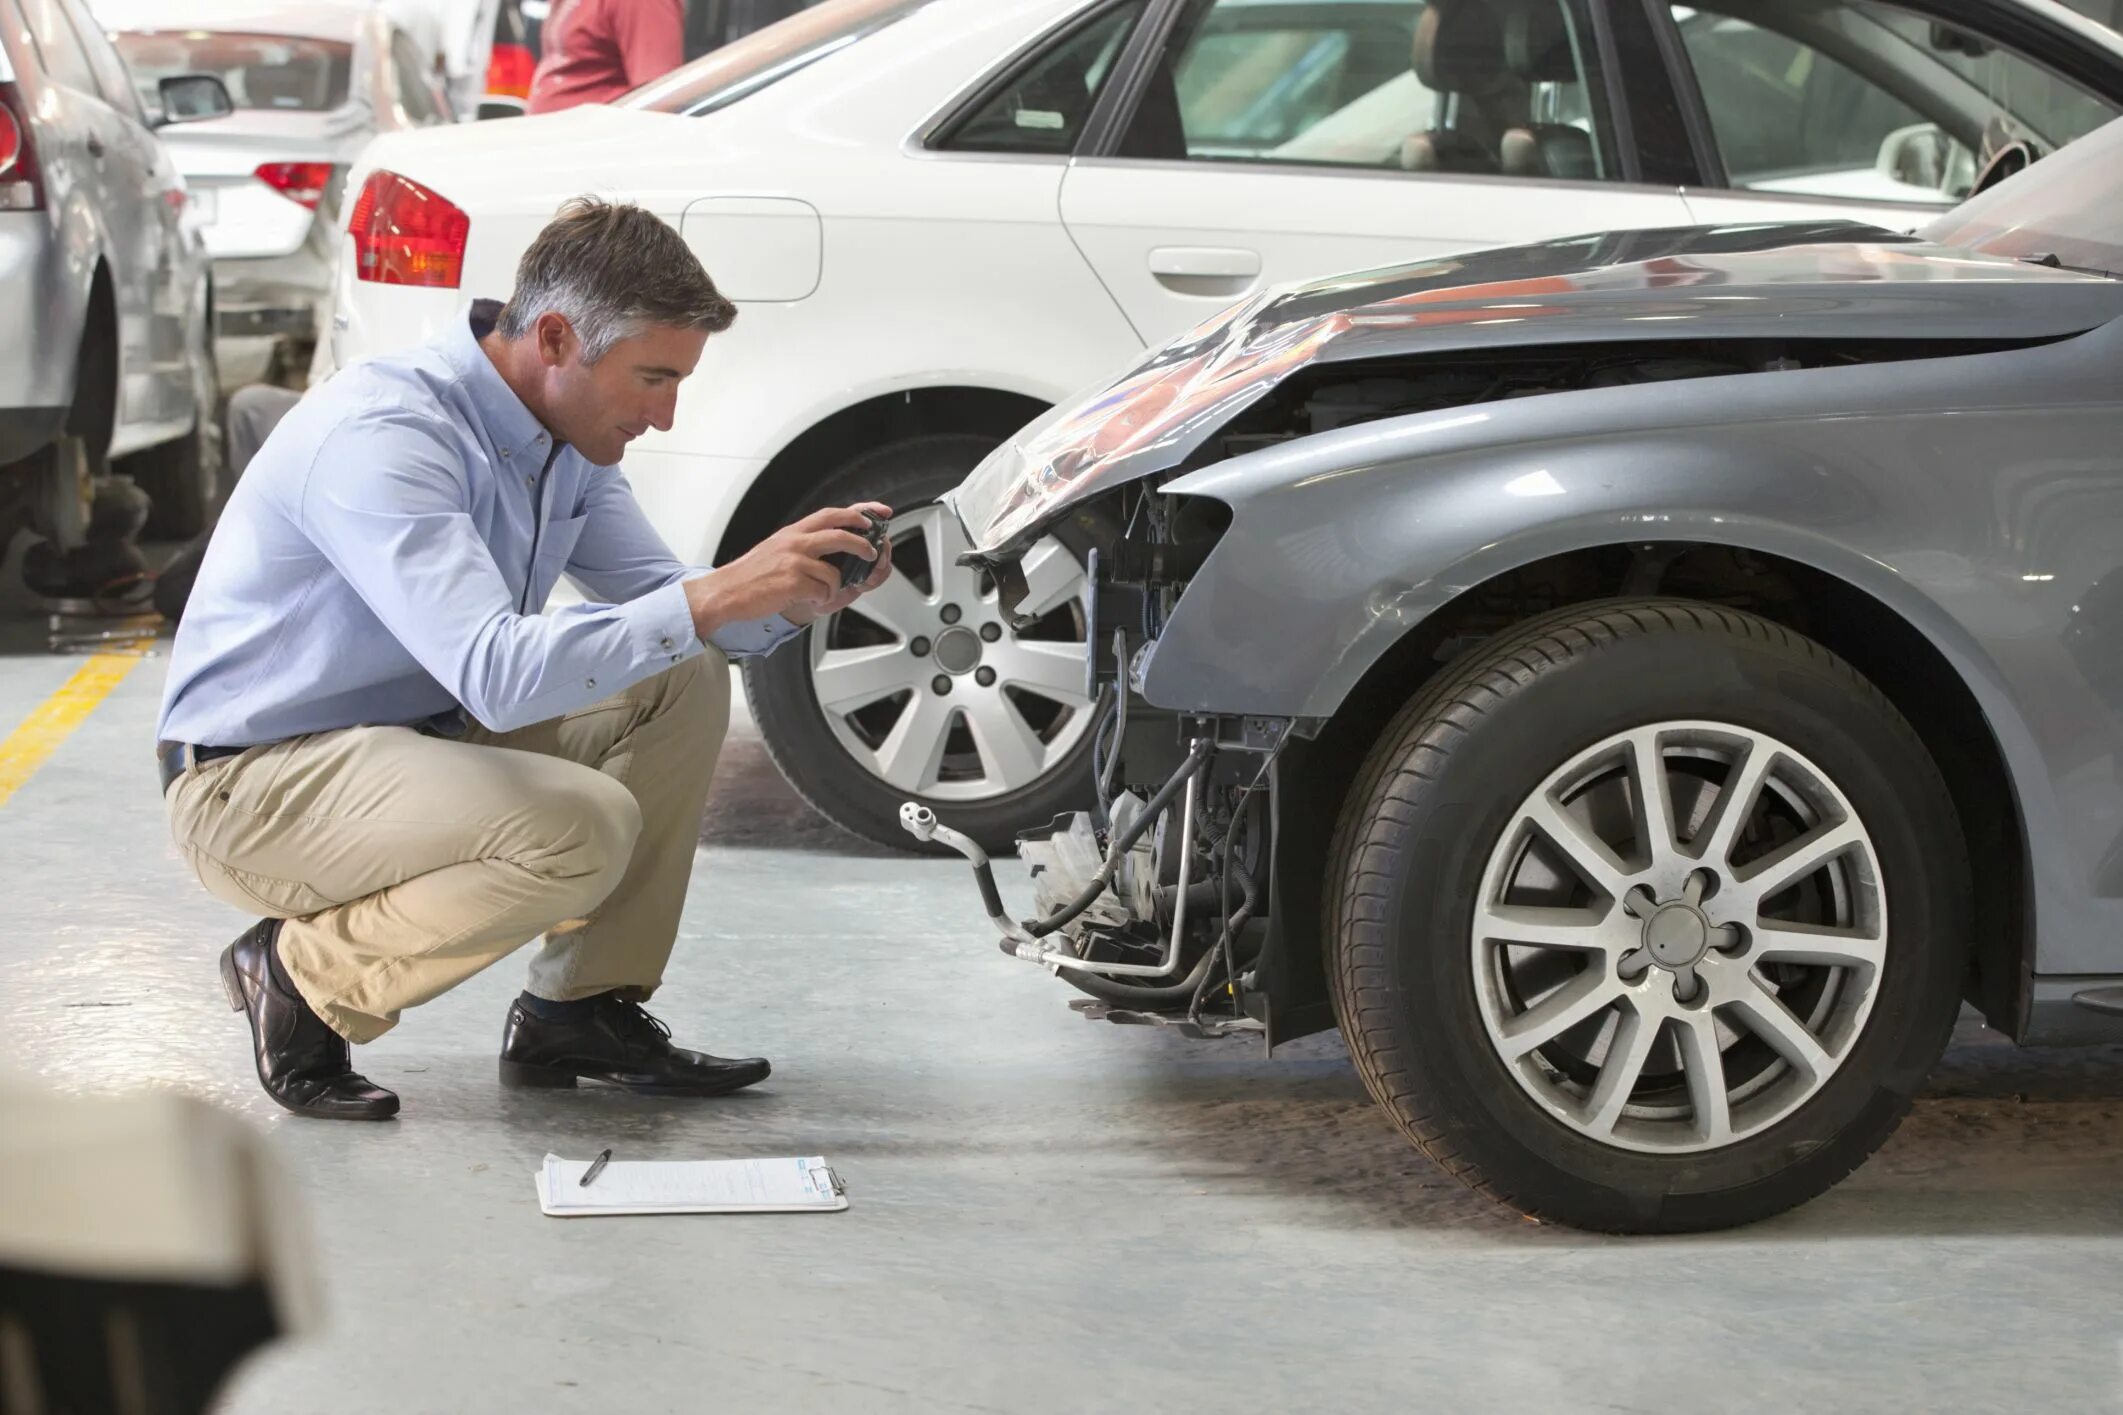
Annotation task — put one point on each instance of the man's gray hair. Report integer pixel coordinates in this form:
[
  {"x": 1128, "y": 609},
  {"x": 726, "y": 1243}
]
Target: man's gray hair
[{"x": 613, "y": 269}]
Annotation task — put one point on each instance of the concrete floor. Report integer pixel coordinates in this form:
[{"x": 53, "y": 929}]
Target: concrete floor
[{"x": 1048, "y": 1214}]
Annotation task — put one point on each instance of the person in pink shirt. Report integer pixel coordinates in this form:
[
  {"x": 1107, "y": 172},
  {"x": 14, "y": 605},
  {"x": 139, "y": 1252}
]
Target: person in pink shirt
[{"x": 595, "y": 50}]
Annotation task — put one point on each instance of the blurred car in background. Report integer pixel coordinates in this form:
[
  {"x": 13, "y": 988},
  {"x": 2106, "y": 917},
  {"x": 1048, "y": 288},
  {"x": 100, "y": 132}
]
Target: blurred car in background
[
  {"x": 512, "y": 60},
  {"x": 105, "y": 288},
  {"x": 967, "y": 209},
  {"x": 312, "y": 83}
]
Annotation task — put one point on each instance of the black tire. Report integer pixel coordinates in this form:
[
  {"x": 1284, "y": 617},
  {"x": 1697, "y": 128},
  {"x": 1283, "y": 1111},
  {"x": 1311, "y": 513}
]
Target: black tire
[
  {"x": 1447, "y": 777},
  {"x": 904, "y": 475}
]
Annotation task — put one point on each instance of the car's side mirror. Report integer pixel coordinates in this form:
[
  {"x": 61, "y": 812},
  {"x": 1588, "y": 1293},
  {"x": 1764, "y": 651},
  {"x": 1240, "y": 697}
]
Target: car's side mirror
[
  {"x": 193, "y": 98},
  {"x": 1917, "y": 156}
]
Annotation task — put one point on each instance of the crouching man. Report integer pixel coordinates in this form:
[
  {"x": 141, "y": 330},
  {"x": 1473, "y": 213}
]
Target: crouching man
[{"x": 375, "y": 738}]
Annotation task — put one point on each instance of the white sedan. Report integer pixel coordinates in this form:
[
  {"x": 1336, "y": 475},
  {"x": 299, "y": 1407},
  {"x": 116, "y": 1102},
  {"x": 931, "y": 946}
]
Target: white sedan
[{"x": 941, "y": 216}]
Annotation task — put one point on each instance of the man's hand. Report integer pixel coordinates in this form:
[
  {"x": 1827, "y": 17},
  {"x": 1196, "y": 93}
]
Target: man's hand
[{"x": 787, "y": 573}]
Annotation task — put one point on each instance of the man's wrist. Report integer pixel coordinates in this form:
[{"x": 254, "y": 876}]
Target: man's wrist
[{"x": 705, "y": 600}]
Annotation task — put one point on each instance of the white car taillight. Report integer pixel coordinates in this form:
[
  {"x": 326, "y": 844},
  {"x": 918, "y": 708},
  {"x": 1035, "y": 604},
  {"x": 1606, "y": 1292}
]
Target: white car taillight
[
  {"x": 405, "y": 234},
  {"x": 300, "y": 182}
]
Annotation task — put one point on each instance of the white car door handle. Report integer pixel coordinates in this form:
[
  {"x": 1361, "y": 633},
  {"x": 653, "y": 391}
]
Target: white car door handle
[{"x": 1216, "y": 261}]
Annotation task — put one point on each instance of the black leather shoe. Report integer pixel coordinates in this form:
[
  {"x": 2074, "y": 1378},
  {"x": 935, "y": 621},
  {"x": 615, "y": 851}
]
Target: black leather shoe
[
  {"x": 303, "y": 1064},
  {"x": 620, "y": 1045}
]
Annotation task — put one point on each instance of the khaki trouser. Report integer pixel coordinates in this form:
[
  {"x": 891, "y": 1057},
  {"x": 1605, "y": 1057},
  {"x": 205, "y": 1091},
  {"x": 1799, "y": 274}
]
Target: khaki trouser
[{"x": 406, "y": 863}]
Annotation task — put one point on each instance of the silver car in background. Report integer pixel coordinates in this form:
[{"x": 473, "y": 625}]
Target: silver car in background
[
  {"x": 104, "y": 284},
  {"x": 312, "y": 83},
  {"x": 1636, "y": 686}
]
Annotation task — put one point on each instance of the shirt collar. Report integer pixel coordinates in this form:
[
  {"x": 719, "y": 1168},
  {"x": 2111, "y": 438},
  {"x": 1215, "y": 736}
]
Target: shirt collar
[{"x": 515, "y": 429}]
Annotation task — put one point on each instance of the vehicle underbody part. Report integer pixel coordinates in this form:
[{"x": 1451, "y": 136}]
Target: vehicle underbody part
[
  {"x": 106, "y": 571},
  {"x": 1152, "y": 901}
]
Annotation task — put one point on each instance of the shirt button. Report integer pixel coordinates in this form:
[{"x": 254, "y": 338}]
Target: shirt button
[
  {"x": 589, "y": 682},
  {"x": 666, "y": 645},
  {"x": 504, "y": 451},
  {"x": 530, "y": 481}
]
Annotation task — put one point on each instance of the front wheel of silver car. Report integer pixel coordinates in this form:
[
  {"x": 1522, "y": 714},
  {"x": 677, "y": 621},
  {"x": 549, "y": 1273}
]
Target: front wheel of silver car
[
  {"x": 923, "y": 690},
  {"x": 1650, "y": 918}
]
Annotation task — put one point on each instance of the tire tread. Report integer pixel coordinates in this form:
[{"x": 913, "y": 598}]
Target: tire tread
[{"x": 1411, "y": 751}]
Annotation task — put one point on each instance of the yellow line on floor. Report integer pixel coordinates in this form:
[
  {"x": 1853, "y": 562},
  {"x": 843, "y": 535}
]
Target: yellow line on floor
[{"x": 41, "y": 733}]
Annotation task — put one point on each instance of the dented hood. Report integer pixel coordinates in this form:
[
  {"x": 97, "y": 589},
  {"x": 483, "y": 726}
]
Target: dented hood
[{"x": 1809, "y": 280}]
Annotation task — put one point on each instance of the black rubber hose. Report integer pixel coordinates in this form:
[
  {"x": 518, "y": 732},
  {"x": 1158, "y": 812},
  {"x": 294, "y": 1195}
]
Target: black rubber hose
[
  {"x": 1129, "y": 995},
  {"x": 990, "y": 897},
  {"x": 1202, "y": 896},
  {"x": 1196, "y": 756},
  {"x": 1154, "y": 995},
  {"x": 1102, "y": 793},
  {"x": 1222, "y": 949}
]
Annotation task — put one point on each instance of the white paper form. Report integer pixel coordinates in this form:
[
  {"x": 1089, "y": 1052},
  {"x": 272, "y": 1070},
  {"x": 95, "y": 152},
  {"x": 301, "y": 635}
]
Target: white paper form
[{"x": 796, "y": 1185}]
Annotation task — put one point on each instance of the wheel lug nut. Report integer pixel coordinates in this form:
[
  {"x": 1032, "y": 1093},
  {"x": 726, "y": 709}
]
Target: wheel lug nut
[
  {"x": 986, "y": 677},
  {"x": 919, "y": 648},
  {"x": 951, "y": 614},
  {"x": 991, "y": 632},
  {"x": 942, "y": 685}
]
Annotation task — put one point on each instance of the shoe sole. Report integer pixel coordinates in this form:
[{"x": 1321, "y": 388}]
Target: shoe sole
[
  {"x": 239, "y": 1001},
  {"x": 518, "y": 1075}
]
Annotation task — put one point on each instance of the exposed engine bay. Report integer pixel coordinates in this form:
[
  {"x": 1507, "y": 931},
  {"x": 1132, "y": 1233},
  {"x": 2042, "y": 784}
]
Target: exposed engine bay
[{"x": 1153, "y": 901}]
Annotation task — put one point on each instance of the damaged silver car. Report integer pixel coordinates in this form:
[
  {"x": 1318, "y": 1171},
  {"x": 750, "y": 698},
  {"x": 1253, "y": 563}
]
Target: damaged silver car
[{"x": 1636, "y": 687}]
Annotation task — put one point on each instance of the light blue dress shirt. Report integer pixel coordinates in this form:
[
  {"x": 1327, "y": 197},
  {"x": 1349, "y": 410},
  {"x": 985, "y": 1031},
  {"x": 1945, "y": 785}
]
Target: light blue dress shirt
[{"x": 387, "y": 555}]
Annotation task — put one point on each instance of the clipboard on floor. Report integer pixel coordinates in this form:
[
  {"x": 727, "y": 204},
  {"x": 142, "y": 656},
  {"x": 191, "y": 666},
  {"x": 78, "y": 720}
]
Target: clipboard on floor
[{"x": 805, "y": 1184}]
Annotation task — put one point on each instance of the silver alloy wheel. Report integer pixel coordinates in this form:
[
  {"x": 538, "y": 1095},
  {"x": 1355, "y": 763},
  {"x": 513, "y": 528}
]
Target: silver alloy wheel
[
  {"x": 1679, "y": 937},
  {"x": 981, "y": 710}
]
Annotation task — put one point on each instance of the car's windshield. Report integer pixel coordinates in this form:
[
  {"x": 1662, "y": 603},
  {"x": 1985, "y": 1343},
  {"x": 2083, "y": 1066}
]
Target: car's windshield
[
  {"x": 722, "y": 76},
  {"x": 268, "y": 71},
  {"x": 2068, "y": 205}
]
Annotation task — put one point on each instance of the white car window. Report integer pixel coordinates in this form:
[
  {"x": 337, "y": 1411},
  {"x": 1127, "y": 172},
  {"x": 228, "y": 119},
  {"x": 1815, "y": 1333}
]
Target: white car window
[
  {"x": 1042, "y": 108},
  {"x": 1507, "y": 89},
  {"x": 1848, "y": 98}
]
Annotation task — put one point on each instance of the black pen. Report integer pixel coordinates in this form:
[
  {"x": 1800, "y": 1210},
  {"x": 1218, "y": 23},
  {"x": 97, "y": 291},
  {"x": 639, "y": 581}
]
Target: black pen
[{"x": 596, "y": 1168}]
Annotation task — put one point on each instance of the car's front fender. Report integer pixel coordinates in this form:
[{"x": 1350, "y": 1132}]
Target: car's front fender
[{"x": 1983, "y": 504}]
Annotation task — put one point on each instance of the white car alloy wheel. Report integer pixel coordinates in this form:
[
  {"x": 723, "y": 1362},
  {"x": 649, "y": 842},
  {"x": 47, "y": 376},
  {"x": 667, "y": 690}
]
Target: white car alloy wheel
[
  {"x": 926, "y": 686},
  {"x": 1679, "y": 937}
]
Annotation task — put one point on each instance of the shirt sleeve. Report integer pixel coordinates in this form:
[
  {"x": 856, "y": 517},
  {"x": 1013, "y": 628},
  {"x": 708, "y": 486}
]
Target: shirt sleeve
[
  {"x": 651, "y": 35},
  {"x": 620, "y": 557},
  {"x": 384, "y": 502}
]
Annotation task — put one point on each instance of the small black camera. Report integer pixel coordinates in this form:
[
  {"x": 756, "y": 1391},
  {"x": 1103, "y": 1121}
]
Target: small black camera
[{"x": 853, "y": 568}]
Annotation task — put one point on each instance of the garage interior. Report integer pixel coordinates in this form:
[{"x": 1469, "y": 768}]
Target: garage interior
[
  {"x": 1572, "y": 542},
  {"x": 1047, "y": 1214}
]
